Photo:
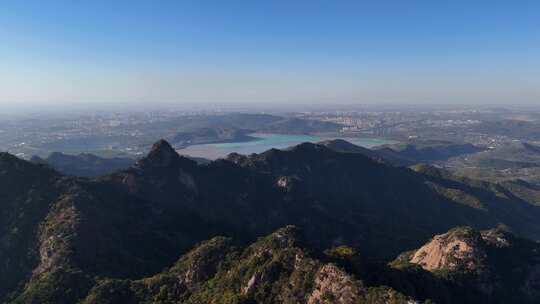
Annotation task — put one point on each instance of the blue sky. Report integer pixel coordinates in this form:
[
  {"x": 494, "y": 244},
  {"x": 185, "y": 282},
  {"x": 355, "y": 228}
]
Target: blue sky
[{"x": 69, "y": 52}]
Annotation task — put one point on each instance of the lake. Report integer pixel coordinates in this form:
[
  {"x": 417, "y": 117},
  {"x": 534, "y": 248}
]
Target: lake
[{"x": 268, "y": 141}]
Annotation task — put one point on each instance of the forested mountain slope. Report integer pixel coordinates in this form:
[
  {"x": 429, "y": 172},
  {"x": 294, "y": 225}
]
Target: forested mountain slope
[{"x": 62, "y": 236}]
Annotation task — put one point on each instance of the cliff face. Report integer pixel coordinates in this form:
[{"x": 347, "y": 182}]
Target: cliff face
[{"x": 84, "y": 164}]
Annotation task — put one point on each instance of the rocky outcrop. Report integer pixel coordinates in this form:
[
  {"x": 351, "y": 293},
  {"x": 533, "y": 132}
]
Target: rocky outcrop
[
  {"x": 201, "y": 263},
  {"x": 162, "y": 154},
  {"x": 493, "y": 264},
  {"x": 333, "y": 285},
  {"x": 272, "y": 270},
  {"x": 458, "y": 249}
]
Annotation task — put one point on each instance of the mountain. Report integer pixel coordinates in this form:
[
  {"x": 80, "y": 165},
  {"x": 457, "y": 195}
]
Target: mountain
[
  {"x": 524, "y": 190},
  {"x": 527, "y": 130},
  {"x": 490, "y": 266},
  {"x": 382, "y": 155},
  {"x": 241, "y": 123},
  {"x": 26, "y": 194},
  {"x": 516, "y": 160},
  {"x": 272, "y": 123},
  {"x": 210, "y": 135},
  {"x": 407, "y": 154},
  {"x": 64, "y": 237},
  {"x": 516, "y": 152},
  {"x": 275, "y": 269},
  {"x": 428, "y": 151},
  {"x": 300, "y": 126},
  {"x": 84, "y": 164}
]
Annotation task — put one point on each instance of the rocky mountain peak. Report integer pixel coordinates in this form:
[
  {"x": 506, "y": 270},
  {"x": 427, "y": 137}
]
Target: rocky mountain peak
[
  {"x": 459, "y": 249},
  {"x": 162, "y": 154},
  {"x": 161, "y": 147}
]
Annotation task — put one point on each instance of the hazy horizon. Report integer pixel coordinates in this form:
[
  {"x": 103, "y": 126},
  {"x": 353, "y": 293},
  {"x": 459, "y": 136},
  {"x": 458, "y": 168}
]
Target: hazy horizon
[{"x": 70, "y": 55}]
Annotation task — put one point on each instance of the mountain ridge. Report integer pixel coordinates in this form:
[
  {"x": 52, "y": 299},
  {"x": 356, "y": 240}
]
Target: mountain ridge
[{"x": 133, "y": 223}]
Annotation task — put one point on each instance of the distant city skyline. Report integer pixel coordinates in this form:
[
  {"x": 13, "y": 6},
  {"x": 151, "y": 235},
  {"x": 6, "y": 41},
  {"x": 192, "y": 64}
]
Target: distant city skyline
[{"x": 133, "y": 53}]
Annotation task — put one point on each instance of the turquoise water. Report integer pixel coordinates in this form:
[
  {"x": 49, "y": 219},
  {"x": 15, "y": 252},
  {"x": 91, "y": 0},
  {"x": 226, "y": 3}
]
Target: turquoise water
[{"x": 267, "y": 141}]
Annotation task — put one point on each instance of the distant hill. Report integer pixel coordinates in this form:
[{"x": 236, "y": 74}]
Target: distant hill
[
  {"x": 428, "y": 151},
  {"x": 210, "y": 135},
  {"x": 69, "y": 240},
  {"x": 340, "y": 145},
  {"x": 517, "y": 160},
  {"x": 90, "y": 165},
  {"x": 406, "y": 154},
  {"x": 299, "y": 126},
  {"x": 259, "y": 123},
  {"x": 84, "y": 164},
  {"x": 524, "y": 190},
  {"x": 525, "y": 130},
  {"x": 238, "y": 127},
  {"x": 516, "y": 151},
  {"x": 513, "y": 188}
]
